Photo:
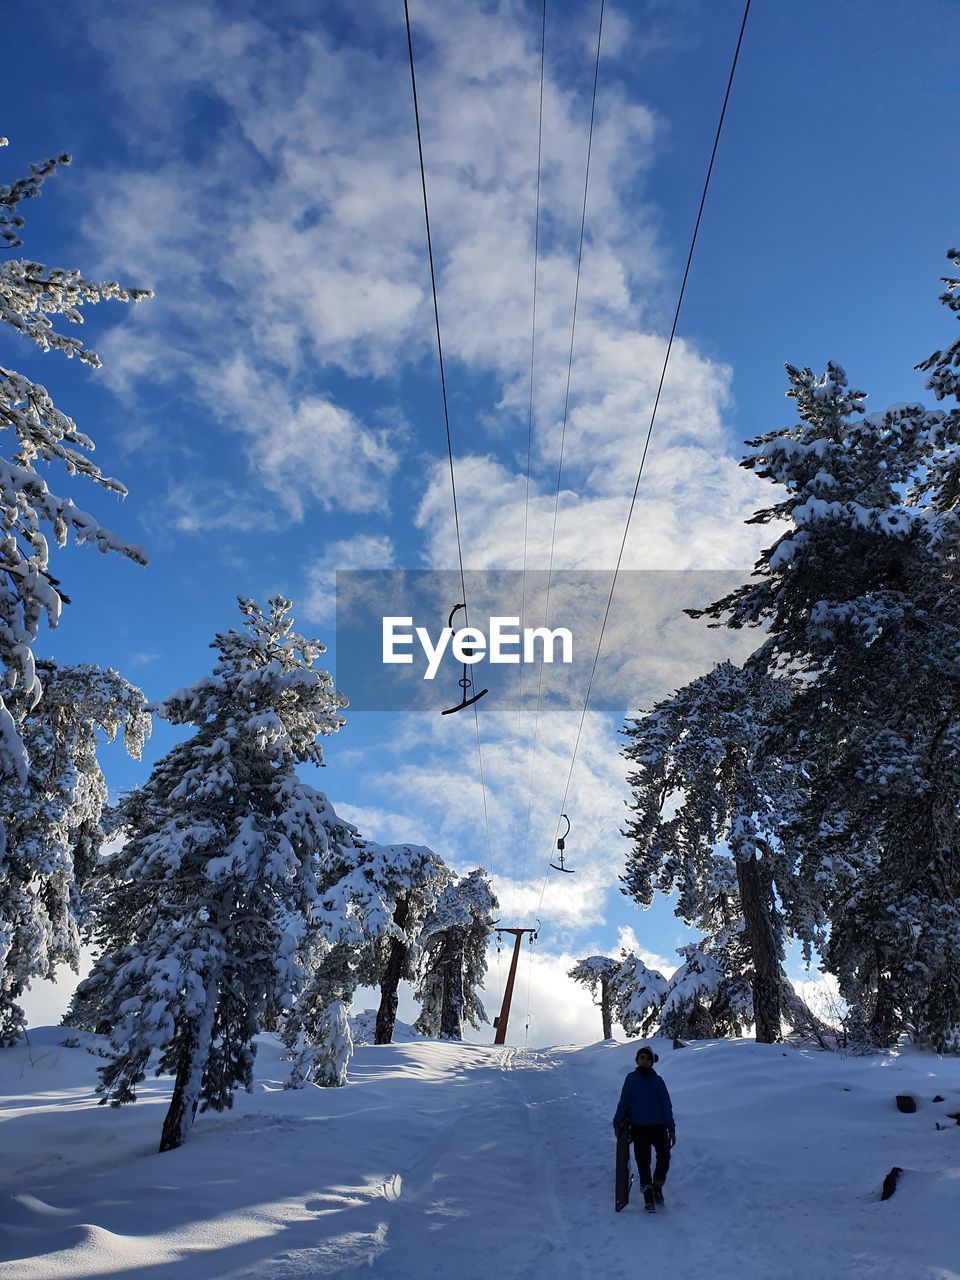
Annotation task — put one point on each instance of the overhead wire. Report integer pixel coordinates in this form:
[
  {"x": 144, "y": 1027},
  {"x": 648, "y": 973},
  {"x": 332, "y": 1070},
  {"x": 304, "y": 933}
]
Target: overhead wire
[
  {"x": 563, "y": 428},
  {"x": 518, "y": 881},
  {"x": 656, "y": 405},
  {"x": 526, "y": 1021},
  {"x": 556, "y": 506},
  {"x": 649, "y": 433},
  {"x": 443, "y": 390}
]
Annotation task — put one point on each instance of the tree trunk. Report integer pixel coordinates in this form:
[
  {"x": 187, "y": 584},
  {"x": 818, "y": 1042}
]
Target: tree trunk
[
  {"x": 700, "y": 1023},
  {"x": 451, "y": 1006},
  {"x": 390, "y": 981},
  {"x": 605, "y": 1007},
  {"x": 186, "y": 1088},
  {"x": 882, "y": 1027},
  {"x": 763, "y": 950},
  {"x": 176, "y": 1124}
]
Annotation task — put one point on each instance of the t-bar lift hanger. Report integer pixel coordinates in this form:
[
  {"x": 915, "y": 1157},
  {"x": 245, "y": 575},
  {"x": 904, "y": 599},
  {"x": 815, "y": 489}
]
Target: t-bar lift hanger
[
  {"x": 558, "y": 865},
  {"x": 465, "y": 681}
]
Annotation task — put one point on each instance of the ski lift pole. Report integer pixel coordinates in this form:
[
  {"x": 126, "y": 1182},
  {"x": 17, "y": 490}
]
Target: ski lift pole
[{"x": 500, "y": 1022}]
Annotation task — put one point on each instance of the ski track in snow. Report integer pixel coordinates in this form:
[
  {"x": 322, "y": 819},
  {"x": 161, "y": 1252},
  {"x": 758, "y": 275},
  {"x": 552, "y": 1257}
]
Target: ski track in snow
[{"x": 468, "y": 1160}]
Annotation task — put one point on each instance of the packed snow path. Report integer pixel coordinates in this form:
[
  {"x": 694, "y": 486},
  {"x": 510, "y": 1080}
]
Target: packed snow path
[{"x": 469, "y": 1161}]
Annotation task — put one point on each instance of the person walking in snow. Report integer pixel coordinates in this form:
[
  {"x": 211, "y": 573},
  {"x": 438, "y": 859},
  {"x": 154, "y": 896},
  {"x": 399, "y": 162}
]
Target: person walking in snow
[{"x": 645, "y": 1105}]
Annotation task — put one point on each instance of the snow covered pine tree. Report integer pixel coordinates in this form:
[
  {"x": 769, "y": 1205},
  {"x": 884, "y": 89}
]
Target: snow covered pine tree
[
  {"x": 596, "y": 972},
  {"x": 705, "y": 997},
  {"x": 371, "y": 902},
  {"x": 709, "y": 803},
  {"x": 862, "y": 758},
  {"x": 861, "y": 596},
  {"x": 316, "y": 1031},
  {"x": 30, "y": 296},
  {"x": 409, "y": 878},
  {"x": 217, "y": 882},
  {"x": 454, "y": 959},
  {"x": 56, "y": 822},
  {"x": 638, "y": 992}
]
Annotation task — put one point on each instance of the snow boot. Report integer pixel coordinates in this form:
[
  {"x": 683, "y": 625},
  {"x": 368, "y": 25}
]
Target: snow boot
[
  {"x": 658, "y": 1193},
  {"x": 649, "y": 1200}
]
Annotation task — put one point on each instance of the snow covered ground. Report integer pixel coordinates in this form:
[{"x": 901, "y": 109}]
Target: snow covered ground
[{"x": 469, "y": 1161}]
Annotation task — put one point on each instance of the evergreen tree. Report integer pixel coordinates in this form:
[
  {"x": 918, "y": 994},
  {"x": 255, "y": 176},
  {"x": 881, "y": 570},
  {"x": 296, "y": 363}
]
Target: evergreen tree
[
  {"x": 317, "y": 1032},
  {"x": 860, "y": 604},
  {"x": 596, "y": 972},
  {"x": 57, "y": 820},
  {"x": 860, "y": 599},
  {"x": 408, "y": 878},
  {"x": 217, "y": 883},
  {"x": 709, "y": 801},
  {"x": 31, "y": 297},
  {"x": 707, "y": 996},
  {"x": 371, "y": 904},
  {"x": 454, "y": 957},
  {"x": 637, "y": 993},
  {"x": 316, "y": 1029}
]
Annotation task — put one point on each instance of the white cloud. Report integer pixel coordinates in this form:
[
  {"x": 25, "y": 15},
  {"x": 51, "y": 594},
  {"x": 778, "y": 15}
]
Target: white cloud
[
  {"x": 299, "y": 228},
  {"x": 143, "y": 659},
  {"x": 690, "y": 518},
  {"x": 548, "y": 1007},
  {"x": 428, "y": 768},
  {"x": 627, "y": 941},
  {"x": 304, "y": 447},
  {"x": 364, "y": 551},
  {"x": 199, "y": 505},
  {"x": 297, "y": 233},
  {"x": 382, "y": 824}
]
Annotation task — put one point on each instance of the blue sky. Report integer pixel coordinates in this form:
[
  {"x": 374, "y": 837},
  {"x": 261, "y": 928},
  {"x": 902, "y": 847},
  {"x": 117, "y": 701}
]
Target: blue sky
[{"x": 275, "y": 411}]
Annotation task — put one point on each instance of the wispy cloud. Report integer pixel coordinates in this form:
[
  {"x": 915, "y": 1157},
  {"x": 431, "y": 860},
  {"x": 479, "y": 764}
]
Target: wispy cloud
[
  {"x": 364, "y": 551},
  {"x": 427, "y": 775},
  {"x": 627, "y": 941},
  {"x": 199, "y": 505},
  {"x": 143, "y": 659},
  {"x": 295, "y": 240},
  {"x": 303, "y": 446}
]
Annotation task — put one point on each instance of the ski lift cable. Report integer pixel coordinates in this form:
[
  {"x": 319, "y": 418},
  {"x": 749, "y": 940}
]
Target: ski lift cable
[
  {"x": 483, "y": 788},
  {"x": 526, "y": 500},
  {"x": 563, "y": 432},
  {"x": 443, "y": 382},
  {"x": 526, "y": 1020},
  {"x": 499, "y": 971},
  {"x": 656, "y": 404},
  {"x": 526, "y": 1030}
]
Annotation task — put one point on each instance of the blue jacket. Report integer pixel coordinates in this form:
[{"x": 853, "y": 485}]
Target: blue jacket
[{"x": 644, "y": 1100}]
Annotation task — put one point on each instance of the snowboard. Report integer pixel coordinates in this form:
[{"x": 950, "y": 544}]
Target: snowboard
[{"x": 624, "y": 1178}]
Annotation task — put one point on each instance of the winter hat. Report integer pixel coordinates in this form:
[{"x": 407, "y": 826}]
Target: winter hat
[{"x": 644, "y": 1048}]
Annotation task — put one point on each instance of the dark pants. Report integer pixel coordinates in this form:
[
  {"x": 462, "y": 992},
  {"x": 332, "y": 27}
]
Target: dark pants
[{"x": 644, "y": 1137}]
